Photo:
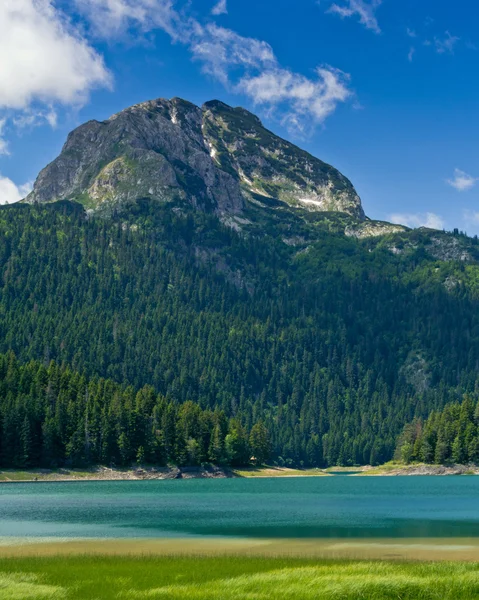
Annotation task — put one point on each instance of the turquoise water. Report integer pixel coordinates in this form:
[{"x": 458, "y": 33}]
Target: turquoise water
[{"x": 324, "y": 507}]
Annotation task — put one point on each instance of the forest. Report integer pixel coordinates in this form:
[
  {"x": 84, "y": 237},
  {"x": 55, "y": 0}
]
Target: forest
[
  {"x": 324, "y": 354},
  {"x": 52, "y": 417},
  {"x": 450, "y": 435}
]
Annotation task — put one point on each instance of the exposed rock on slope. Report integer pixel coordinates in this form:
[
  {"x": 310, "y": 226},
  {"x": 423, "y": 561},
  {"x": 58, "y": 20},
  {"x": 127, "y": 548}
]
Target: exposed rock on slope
[
  {"x": 367, "y": 229},
  {"x": 216, "y": 158},
  {"x": 269, "y": 166}
]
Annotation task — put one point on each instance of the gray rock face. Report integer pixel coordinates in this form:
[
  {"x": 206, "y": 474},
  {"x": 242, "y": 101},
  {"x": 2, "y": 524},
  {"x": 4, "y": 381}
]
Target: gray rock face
[
  {"x": 369, "y": 229},
  {"x": 272, "y": 167},
  {"x": 216, "y": 158}
]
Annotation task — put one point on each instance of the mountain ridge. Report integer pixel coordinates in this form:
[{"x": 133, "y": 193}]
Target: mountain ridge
[{"x": 216, "y": 157}]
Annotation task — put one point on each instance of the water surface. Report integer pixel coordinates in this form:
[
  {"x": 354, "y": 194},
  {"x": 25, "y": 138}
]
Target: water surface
[{"x": 323, "y": 507}]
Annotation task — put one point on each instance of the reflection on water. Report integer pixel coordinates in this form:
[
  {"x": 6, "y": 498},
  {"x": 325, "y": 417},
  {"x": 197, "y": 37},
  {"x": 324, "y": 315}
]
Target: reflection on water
[{"x": 326, "y": 507}]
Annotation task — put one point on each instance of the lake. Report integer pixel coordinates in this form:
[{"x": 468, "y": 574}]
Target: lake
[{"x": 322, "y": 507}]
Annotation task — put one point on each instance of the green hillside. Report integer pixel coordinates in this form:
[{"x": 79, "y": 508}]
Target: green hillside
[{"x": 334, "y": 345}]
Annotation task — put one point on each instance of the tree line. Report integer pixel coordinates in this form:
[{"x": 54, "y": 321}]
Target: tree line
[
  {"x": 53, "y": 417},
  {"x": 450, "y": 435}
]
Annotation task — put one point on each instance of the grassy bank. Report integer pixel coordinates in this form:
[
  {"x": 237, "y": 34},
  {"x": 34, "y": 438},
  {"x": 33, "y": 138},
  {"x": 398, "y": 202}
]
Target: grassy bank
[
  {"x": 397, "y": 549},
  {"x": 232, "y": 578},
  {"x": 278, "y": 472},
  {"x": 114, "y": 474},
  {"x": 142, "y": 473},
  {"x": 398, "y": 468}
]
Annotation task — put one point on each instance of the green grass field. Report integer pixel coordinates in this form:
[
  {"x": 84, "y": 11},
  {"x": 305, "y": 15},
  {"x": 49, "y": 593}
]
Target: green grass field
[{"x": 229, "y": 578}]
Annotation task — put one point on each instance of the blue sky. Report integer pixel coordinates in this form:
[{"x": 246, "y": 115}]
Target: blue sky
[{"x": 387, "y": 91}]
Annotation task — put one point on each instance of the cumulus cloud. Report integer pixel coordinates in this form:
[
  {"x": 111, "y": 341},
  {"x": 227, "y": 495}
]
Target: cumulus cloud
[
  {"x": 242, "y": 64},
  {"x": 43, "y": 59},
  {"x": 220, "y": 8},
  {"x": 44, "y": 62},
  {"x": 249, "y": 66},
  {"x": 10, "y": 192},
  {"x": 415, "y": 220},
  {"x": 306, "y": 98},
  {"x": 364, "y": 9},
  {"x": 462, "y": 181}
]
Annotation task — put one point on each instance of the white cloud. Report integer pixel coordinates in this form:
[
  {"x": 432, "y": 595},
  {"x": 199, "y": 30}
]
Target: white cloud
[
  {"x": 307, "y": 98},
  {"x": 243, "y": 65},
  {"x": 412, "y": 52},
  {"x": 415, "y": 220},
  {"x": 220, "y": 8},
  {"x": 10, "y": 192},
  {"x": 3, "y": 141},
  {"x": 222, "y": 51},
  {"x": 35, "y": 118},
  {"x": 441, "y": 44},
  {"x": 43, "y": 59},
  {"x": 44, "y": 62},
  {"x": 111, "y": 18},
  {"x": 462, "y": 181},
  {"x": 364, "y": 9},
  {"x": 446, "y": 44},
  {"x": 249, "y": 66}
]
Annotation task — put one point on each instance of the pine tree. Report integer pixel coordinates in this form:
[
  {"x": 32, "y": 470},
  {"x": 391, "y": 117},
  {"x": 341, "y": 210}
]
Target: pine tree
[
  {"x": 459, "y": 451},
  {"x": 259, "y": 442},
  {"x": 124, "y": 448},
  {"x": 216, "y": 450},
  {"x": 140, "y": 455},
  {"x": 237, "y": 445}
]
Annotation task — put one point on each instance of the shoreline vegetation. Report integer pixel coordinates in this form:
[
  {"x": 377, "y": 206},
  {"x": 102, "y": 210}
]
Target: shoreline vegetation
[
  {"x": 388, "y": 549},
  {"x": 236, "y": 578},
  {"x": 143, "y": 473}
]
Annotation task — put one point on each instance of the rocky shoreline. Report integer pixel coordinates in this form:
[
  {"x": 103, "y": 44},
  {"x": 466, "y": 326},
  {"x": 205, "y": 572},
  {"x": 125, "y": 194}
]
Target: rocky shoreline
[
  {"x": 438, "y": 470},
  {"x": 115, "y": 474},
  {"x": 214, "y": 472}
]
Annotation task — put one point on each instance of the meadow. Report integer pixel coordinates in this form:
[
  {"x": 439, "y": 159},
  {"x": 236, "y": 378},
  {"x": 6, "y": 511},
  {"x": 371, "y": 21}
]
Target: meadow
[{"x": 232, "y": 578}]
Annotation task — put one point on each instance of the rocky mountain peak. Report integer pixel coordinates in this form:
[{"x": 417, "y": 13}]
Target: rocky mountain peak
[{"x": 216, "y": 158}]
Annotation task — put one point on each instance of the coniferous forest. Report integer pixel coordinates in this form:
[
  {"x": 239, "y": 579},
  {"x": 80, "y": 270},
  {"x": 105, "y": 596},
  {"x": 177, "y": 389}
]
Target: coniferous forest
[
  {"x": 53, "y": 416},
  {"x": 450, "y": 435},
  {"x": 165, "y": 337}
]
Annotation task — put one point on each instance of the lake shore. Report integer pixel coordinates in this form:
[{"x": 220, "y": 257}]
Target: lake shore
[
  {"x": 392, "y": 469},
  {"x": 391, "y": 549},
  {"x": 114, "y": 474},
  {"x": 167, "y": 473},
  {"x": 152, "y": 473}
]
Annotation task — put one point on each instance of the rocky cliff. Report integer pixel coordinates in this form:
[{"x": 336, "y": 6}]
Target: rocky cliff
[{"x": 216, "y": 158}]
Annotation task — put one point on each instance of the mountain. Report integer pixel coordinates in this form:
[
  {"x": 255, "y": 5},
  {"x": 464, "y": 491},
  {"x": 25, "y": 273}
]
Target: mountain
[
  {"x": 215, "y": 158},
  {"x": 221, "y": 288}
]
